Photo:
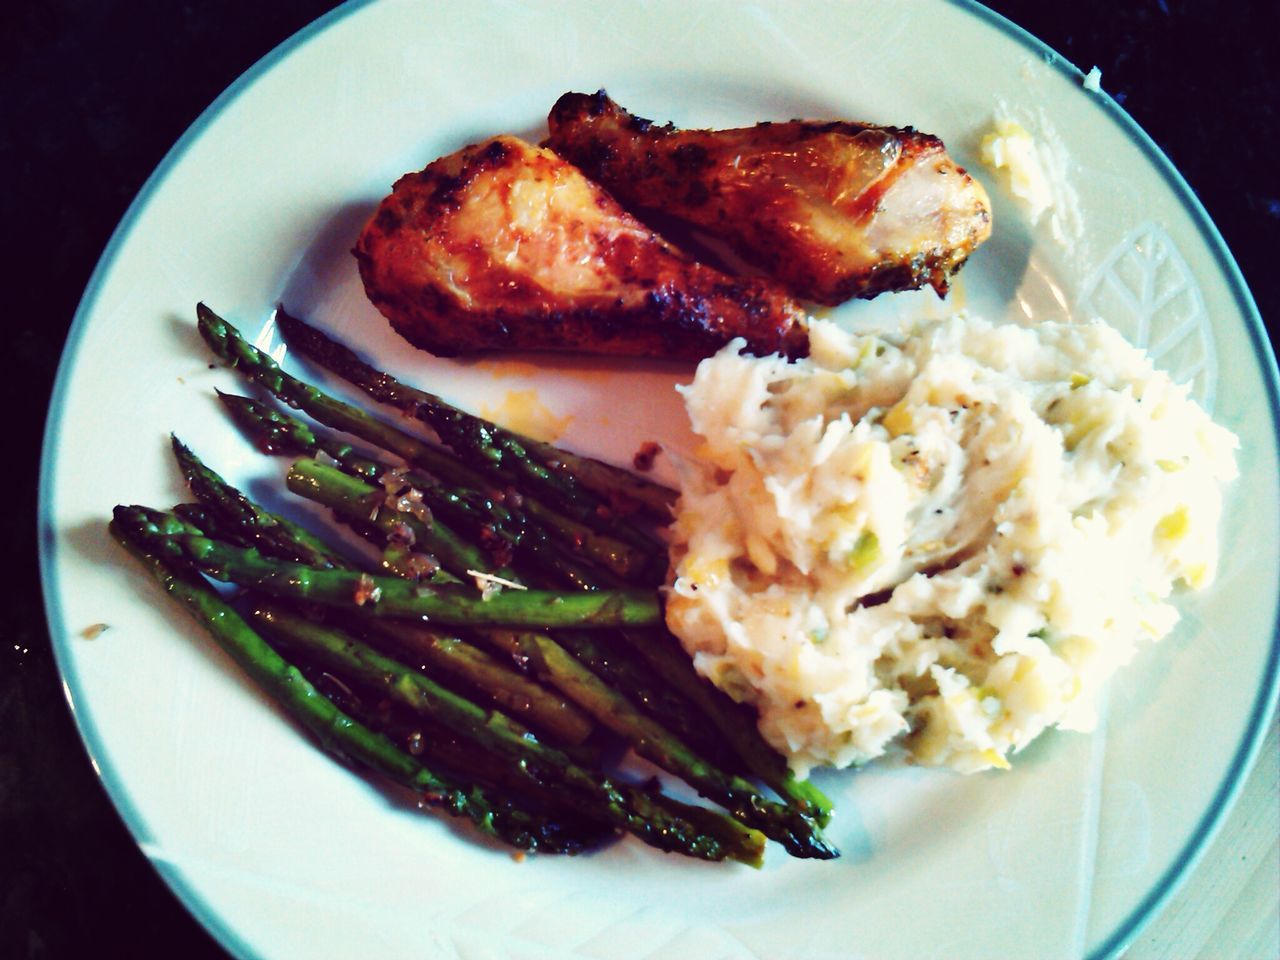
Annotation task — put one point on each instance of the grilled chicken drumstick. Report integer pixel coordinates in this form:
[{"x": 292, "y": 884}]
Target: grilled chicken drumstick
[
  {"x": 830, "y": 210},
  {"x": 504, "y": 246}
]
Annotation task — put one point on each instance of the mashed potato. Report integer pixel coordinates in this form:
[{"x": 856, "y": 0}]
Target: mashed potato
[
  {"x": 948, "y": 540},
  {"x": 1009, "y": 147}
]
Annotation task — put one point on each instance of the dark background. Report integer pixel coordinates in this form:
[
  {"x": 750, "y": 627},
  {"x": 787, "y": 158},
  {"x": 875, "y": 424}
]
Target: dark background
[{"x": 95, "y": 94}]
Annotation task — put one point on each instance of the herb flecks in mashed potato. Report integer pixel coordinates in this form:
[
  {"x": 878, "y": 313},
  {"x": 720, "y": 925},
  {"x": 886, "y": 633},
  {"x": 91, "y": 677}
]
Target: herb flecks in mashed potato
[{"x": 947, "y": 540}]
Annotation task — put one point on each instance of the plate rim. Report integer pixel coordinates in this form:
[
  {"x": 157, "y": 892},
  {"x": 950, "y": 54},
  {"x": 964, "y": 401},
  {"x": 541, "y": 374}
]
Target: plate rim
[{"x": 1260, "y": 714}]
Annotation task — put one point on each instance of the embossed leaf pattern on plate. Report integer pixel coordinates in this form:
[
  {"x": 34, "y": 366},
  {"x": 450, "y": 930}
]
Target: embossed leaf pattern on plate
[{"x": 1146, "y": 291}]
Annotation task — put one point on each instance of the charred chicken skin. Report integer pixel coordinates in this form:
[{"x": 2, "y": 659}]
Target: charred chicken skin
[
  {"x": 504, "y": 246},
  {"x": 830, "y": 210}
]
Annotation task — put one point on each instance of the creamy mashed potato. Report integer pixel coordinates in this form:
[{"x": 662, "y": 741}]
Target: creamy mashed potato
[
  {"x": 947, "y": 540},
  {"x": 1009, "y": 147}
]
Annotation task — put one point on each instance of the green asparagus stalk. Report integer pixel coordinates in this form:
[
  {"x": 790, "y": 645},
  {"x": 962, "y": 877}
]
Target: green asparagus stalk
[
  {"x": 601, "y": 652},
  {"x": 523, "y": 699},
  {"x": 489, "y": 447},
  {"x": 342, "y": 736},
  {"x": 611, "y": 482},
  {"x": 225, "y": 341},
  {"x": 368, "y": 509},
  {"x": 536, "y": 527},
  {"x": 353, "y": 499},
  {"x": 592, "y": 793},
  {"x": 384, "y": 596},
  {"x": 342, "y": 652},
  {"x": 270, "y": 533},
  {"x": 211, "y": 524},
  {"x": 395, "y": 559}
]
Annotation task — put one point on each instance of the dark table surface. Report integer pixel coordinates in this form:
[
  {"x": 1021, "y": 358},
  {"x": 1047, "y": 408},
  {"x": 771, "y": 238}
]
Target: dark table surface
[{"x": 94, "y": 96}]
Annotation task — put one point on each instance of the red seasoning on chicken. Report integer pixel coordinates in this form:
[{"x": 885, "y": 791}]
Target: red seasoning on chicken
[
  {"x": 830, "y": 210},
  {"x": 504, "y": 246}
]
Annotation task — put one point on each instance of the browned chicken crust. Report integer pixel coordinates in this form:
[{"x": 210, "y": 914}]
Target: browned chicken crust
[
  {"x": 504, "y": 246},
  {"x": 830, "y": 210}
]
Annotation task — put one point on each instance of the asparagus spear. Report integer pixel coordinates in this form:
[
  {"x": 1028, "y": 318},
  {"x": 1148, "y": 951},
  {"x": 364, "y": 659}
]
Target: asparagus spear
[
  {"x": 598, "y": 651},
  {"x": 402, "y": 562},
  {"x": 364, "y": 506},
  {"x": 385, "y": 596},
  {"x": 226, "y": 342},
  {"x": 356, "y": 500},
  {"x": 513, "y": 692},
  {"x": 592, "y": 793},
  {"x": 537, "y": 526},
  {"x": 342, "y": 736},
  {"x": 203, "y": 520},
  {"x": 489, "y": 447},
  {"x": 270, "y": 533},
  {"x": 615, "y": 484}
]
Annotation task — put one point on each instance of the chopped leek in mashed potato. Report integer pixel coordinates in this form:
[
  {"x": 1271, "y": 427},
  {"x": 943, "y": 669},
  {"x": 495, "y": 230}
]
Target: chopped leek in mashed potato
[{"x": 946, "y": 541}]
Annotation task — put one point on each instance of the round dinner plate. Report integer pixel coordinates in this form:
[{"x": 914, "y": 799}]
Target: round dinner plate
[{"x": 282, "y": 852}]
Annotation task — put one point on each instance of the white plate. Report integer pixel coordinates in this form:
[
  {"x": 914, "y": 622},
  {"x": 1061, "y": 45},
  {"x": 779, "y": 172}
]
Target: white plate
[{"x": 280, "y": 851}]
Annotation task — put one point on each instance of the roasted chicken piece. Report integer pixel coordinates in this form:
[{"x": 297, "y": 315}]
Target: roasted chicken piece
[
  {"x": 504, "y": 246},
  {"x": 830, "y": 210}
]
